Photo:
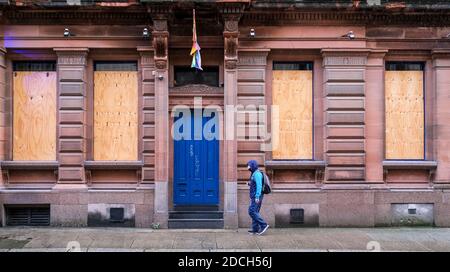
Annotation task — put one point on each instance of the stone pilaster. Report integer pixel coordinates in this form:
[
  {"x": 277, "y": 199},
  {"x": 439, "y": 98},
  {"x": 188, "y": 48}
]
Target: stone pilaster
[
  {"x": 160, "y": 102},
  {"x": 148, "y": 115},
  {"x": 441, "y": 141},
  {"x": 3, "y": 112},
  {"x": 72, "y": 76},
  {"x": 374, "y": 118},
  {"x": 344, "y": 83},
  {"x": 231, "y": 16}
]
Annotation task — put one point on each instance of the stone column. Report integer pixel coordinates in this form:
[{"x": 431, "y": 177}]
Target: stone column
[
  {"x": 3, "y": 111},
  {"x": 72, "y": 117},
  {"x": 441, "y": 141},
  {"x": 344, "y": 78},
  {"x": 230, "y": 34},
  {"x": 374, "y": 119},
  {"x": 161, "y": 105}
]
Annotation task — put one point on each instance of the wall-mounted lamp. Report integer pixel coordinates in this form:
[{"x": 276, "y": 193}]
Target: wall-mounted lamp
[
  {"x": 350, "y": 35},
  {"x": 67, "y": 32},
  {"x": 145, "y": 33},
  {"x": 252, "y": 33}
]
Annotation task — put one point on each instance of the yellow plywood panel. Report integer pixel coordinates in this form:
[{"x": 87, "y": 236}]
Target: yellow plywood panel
[
  {"x": 292, "y": 93},
  {"x": 34, "y": 116},
  {"x": 115, "y": 115},
  {"x": 404, "y": 106}
]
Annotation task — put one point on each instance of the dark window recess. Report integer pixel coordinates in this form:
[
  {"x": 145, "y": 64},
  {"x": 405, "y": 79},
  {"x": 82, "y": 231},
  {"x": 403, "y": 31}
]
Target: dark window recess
[
  {"x": 412, "y": 211},
  {"x": 34, "y": 66},
  {"x": 184, "y": 75},
  {"x": 116, "y": 215},
  {"x": 115, "y": 66},
  {"x": 28, "y": 215},
  {"x": 297, "y": 216},
  {"x": 304, "y": 65},
  {"x": 405, "y": 66}
]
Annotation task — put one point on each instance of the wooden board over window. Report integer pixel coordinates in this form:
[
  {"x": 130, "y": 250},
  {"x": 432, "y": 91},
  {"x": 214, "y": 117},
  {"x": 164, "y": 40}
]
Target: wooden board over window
[
  {"x": 34, "y": 115},
  {"x": 292, "y": 93},
  {"x": 404, "y": 105},
  {"x": 115, "y": 115}
]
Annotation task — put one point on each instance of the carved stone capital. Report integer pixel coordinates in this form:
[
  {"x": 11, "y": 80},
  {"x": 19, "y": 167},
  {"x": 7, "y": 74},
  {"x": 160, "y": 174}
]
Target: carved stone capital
[{"x": 230, "y": 64}]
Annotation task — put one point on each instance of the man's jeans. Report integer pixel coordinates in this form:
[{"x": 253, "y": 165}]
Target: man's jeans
[{"x": 253, "y": 210}]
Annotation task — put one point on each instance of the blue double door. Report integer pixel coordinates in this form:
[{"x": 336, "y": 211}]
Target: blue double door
[{"x": 196, "y": 158}]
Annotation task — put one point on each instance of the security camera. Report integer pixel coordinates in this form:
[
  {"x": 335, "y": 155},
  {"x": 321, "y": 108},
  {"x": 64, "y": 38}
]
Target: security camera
[
  {"x": 350, "y": 35},
  {"x": 252, "y": 33},
  {"x": 160, "y": 77},
  {"x": 145, "y": 33},
  {"x": 67, "y": 32}
]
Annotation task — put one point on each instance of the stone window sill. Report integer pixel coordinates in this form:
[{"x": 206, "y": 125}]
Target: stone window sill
[
  {"x": 294, "y": 164},
  {"x": 113, "y": 165},
  {"x": 29, "y": 165},
  {"x": 317, "y": 166},
  {"x": 7, "y": 166},
  {"x": 409, "y": 165}
]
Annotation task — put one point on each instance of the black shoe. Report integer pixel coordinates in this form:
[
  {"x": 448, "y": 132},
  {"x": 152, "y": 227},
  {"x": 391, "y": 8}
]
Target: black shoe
[{"x": 251, "y": 232}]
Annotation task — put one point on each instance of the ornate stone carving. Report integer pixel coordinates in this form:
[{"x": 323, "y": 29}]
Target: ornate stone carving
[
  {"x": 160, "y": 25},
  {"x": 147, "y": 59},
  {"x": 72, "y": 60},
  {"x": 230, "y": 64},
  {"x": 161, "y": 64},
  {"x": 345, "y": 60},
  {"x": 231, "y": 26},
  {"x": 231, "y": 45},
  {"x": 197, "y": 88},
  {"x": 160, "y": 45},
  {"x": 252, "y": 59}
]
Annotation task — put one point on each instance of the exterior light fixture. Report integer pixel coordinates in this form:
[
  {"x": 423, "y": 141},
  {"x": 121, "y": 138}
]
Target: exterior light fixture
[
  {"x": 67, "y": 32},
  {"x": 252, "y": 33},
  {"x": 145, "y": 33},
  {"x": 350, "y": 35}
]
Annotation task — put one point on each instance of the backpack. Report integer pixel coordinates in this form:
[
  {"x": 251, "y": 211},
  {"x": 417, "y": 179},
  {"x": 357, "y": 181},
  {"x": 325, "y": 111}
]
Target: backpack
[{"x": 266, "y": 184}]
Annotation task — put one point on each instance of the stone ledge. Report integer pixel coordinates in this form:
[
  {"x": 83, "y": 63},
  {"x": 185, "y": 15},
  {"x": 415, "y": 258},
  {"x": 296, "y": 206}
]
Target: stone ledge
[
  {"x": 294, "y": 164},
  {"x": 113, "y": 165},
  {"x": 29, "y": 165},
  {"x": 419, "y": 164}
]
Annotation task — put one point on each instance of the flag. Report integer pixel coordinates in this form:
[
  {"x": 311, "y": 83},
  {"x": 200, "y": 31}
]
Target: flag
[{"x": 195, "y": 51}]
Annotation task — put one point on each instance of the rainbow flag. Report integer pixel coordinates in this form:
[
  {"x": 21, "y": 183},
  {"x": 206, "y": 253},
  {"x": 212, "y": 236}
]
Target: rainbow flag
[{"x": 195, "y": 51}]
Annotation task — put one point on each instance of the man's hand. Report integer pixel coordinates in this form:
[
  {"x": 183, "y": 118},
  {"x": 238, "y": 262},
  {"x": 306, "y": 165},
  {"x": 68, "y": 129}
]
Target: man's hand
[{"x": 257, "y": 200}]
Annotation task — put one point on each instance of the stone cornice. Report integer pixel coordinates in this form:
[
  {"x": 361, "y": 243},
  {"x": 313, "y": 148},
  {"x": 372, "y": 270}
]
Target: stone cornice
[
  {"x": 258, "y": 17},
  {"x": 140, "y": 14}
]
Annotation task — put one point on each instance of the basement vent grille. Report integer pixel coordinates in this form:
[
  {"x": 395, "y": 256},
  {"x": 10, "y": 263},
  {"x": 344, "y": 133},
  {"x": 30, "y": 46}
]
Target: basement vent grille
[
  {"x": 116, "y": 215},
  {"x": 297, "y": 216},
  {"x": 27, "y": 215}
]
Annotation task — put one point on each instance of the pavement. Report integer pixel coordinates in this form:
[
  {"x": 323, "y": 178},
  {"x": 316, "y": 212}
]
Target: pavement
[{"x": 20, "y": 239}]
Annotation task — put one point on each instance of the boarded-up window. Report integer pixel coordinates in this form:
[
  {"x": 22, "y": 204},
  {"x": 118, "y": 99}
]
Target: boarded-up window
[
  {"x": 115, "y": 111},
  {"x": 292, "y": 93},
  {"x": 34, "y": 111},
  {"x": 404, "y": 105}
]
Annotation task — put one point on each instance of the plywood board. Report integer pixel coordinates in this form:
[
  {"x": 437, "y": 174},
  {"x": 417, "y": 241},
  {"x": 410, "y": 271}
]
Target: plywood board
[
  {"x": 115, "y": 115},
  {"x": 404, "y": 105},
  {"x": 292, "y": 93},
  {"x": 34, "y": 116}
]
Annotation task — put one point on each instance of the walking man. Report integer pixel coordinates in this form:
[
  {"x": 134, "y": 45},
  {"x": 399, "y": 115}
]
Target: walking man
[{"x": 259, "y": 226}]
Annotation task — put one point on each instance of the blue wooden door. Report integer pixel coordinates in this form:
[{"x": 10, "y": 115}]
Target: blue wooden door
[{"x": 196, "y": 159}]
